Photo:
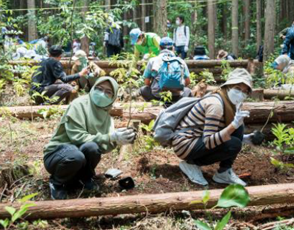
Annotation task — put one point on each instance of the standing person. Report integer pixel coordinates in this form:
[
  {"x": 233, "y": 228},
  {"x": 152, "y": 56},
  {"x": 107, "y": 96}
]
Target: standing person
[
  {"x": 51, "y": 81},
  {"x": 168, "y": 29},
  {"x": 113, "y": 40},
  {"x": 288, "y": 46},
  {"x": 145, "y": 44},
  {"x": 219, "y": 131},
  {"x": 155, "y": 71},
  {"x": 181, "y": 37},
  {"x": 85, "y": 132},
  {"x": 76, "y": 45}
]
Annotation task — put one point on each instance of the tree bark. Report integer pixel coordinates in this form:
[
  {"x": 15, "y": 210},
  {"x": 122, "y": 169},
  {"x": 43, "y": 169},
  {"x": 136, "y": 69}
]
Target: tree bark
[
  {"x": 108, "y": 5},
  {"x": 143, "y": 15},
  {"x": 32, "y": 28},
  {"x": 258, "y": 25},
  {"x": 148, "y": 203},
  {"x": 269, "y": 34},
  {"x": 247, "y": 20},
  {"x": 85, "y": 40},
  {"x": 211, "y": 28},
  {"x": 160, "y": 17},
  {"x": 235, "y": 30}
]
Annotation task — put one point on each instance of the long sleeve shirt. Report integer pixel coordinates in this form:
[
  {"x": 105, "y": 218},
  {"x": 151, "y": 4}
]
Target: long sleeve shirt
[{"x": 208, "y": 117}]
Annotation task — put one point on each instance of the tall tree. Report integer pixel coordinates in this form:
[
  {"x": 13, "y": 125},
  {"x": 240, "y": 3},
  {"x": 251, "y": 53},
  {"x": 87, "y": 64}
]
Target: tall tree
[
  {"x": 258, "y": 24},
  {"x": 160, "y": 17},
  {"x": 235, "y": 30},
  {"x": 143, "y": 15},
  {"x": 108, "y": 5},
  {"x": 211, "y": 28},
  {"x": 85, "y": 39},
  {"x": 32, "y": 28},
  {"x": 270, "y": 25},
  {"x": 247, "y": 20}
]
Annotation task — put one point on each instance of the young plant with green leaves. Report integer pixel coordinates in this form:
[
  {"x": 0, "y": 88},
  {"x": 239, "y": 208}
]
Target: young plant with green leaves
[{"x": 233, "y": 196}]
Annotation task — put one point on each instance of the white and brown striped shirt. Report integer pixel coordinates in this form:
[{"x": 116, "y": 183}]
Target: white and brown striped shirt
[{"x": 208, "y": 117}]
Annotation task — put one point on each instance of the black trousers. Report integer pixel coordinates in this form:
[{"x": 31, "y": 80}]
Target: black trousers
[
  {"x": 225, "y": 153},
  {"x": 68, "y": 163},
  {"x": 57, "y": 90},
  {"x": 180, "y": 50},
  {"x": 112, "y": 50}
]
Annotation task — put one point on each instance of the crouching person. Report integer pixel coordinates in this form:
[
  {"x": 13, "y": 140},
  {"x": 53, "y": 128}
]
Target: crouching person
[
  {"x": 166, "y": 72},
  {"x": 212, "y": 131},
  {"x": 86, "y": 131},
  {"x": 50, "y": 81},
  {"x": 80, "y": 62}
]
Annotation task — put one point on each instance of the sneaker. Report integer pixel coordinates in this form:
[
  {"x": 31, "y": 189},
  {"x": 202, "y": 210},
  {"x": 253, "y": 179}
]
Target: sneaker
[
  {"x": 193, "y": 172},
  {"x": 228, "y": 177},
  {"x": 58, "y": 192},
  {"x": 90, "y": 185}
]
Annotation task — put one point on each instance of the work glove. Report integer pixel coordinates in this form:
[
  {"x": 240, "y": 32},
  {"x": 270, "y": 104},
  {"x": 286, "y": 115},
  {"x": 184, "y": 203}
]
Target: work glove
[
  {"x": 90, "y": 75},
  {"x": 123, "y": 136},
  {"x": 186, "y": 48},
  {"x": 146, "y": 57},
  {"x": 239, "y": 117},
  {"x": 247, "y": 138}
]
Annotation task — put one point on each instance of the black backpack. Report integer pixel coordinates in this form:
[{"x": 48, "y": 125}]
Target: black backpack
[
  {"x": 114, "y": 37},
  {"x": 199, "y": 50}
]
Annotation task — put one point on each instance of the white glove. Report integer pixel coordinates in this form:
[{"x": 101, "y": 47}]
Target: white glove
[
  {"x": 123, "y": 136},
  {"x": 146, "y": 56},
  {"x": 247, "y": 138},
  {"x": 239, "y": 117},
  {"x": 186, "y": 49}
]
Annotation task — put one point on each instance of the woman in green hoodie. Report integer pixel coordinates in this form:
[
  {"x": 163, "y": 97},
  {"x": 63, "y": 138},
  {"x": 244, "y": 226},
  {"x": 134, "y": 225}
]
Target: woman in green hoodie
[{"x": 85, "y": 132}]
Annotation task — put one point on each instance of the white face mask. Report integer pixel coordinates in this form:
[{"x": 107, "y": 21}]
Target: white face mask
[
  {"x": 236, "y": 96},
  {"x": 178, "y": 22}
]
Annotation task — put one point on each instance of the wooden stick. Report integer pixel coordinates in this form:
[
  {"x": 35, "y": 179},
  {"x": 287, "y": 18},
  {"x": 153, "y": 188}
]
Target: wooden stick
[{"x": 151, "y": 203}]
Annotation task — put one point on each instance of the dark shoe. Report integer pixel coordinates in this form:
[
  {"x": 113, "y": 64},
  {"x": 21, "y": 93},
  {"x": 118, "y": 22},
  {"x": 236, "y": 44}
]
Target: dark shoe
[
  {"x": 58, "y": 192},
  {"x": 90, "y": 185}
]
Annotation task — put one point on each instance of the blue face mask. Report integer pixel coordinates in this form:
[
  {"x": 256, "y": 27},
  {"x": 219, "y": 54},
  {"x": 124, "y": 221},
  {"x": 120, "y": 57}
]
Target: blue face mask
[{"x": 100, "y": 99}]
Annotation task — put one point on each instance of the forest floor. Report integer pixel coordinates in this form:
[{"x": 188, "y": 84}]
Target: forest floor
[{"x": 154, "y": 171}]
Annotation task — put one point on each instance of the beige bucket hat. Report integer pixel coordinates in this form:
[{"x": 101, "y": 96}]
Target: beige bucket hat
[
  {"x": 237, "y": 76},
  {"x": 79, "y": 54}
]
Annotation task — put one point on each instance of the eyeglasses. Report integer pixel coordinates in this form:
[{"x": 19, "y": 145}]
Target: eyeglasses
[{"x": 108, "y": 92}]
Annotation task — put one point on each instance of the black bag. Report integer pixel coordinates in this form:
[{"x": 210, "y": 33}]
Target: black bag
[
  {"x": 259, "y": 56},
  {"x": 114, "y": 37},
  {"x": 199, "y": 50}
]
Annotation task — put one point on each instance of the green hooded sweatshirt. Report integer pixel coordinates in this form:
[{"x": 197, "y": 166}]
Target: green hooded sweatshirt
[{"x": 84, "y": 122}]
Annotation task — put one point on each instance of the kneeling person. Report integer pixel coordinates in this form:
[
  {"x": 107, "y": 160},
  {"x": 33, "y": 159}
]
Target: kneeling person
[
  {"x": 166, "y": 72},
  {"x": 86, "y": 131},
  {"x": 51, "y": 81},
  {"x": 213, "y": 131}
]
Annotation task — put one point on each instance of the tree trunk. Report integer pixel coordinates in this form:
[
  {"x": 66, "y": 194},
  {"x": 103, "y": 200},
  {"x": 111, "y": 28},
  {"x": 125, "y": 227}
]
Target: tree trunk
[
  {"x": 247, "y": 20},
  {"x": 108, "y": 5},
  {"x": 32, "y": 28},
  {"x": 258, "y": 25},
  {"x": 194, "y": 17},
  {"x": 235, "y": 30},
  {"x": 147, "y": 203},
  {"x": 143, "y": 15},
  {"x": 211, "y": 28},
  {"x": 224, "y": 25},
  {"x": 85, "y": 39},
  {"x": 160, "y": 17},
  {"x": 269, "y": 34}
]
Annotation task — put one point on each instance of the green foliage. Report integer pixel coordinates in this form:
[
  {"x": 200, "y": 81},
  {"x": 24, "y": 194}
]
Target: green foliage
[
  {"x": 284, "y": 138},
  {"x": 17, "y": 214},
  {"x": 148, "y": 142},
  {"x": 52, "y": 111},
  {"x": 233, "y": 196},
  {"x": 226, "y": 69},
  {"x": 281, "y": 165}
]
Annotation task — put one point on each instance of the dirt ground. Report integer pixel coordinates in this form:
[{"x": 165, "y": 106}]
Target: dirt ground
[{"x": 154, "y": 171}]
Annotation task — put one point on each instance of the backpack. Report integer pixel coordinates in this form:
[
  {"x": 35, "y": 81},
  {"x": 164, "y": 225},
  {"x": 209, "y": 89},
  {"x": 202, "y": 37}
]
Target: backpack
[
  {"x": 166, "y": 123},
  {"x": 114, "y": 37},
  {"x": 171, "y": 73},
  {"x": 185, "y": 31}
]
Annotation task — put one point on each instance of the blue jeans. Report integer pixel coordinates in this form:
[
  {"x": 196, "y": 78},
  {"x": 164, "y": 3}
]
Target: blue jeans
[
  {"x": 225, "y": 153},
  {"x": 180, "y": 50},
  {"x": 68, "y": 163}
]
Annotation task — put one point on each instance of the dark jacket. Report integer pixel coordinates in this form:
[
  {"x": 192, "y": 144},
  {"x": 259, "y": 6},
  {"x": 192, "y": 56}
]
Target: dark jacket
[
  {"x": 49, "y": 71},
  {"x": 289, "y": 43}
]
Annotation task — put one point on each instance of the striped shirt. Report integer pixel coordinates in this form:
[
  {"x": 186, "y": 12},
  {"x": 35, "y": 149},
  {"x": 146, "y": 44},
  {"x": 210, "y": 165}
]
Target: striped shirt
[{"x": 207, "y": 116}]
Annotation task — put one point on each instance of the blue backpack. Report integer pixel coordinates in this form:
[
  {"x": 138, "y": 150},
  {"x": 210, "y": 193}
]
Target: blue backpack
[{"x": 171, "y": 73}]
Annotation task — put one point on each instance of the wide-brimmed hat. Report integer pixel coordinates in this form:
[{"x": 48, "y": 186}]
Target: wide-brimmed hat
[
  {"x": 79, "y": 54},
  {"x": 221, "y": 54},
  {"x": 238, "y": 76}
]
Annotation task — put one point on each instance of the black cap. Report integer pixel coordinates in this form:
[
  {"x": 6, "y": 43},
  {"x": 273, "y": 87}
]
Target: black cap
[{"x": 55, "y": 50}]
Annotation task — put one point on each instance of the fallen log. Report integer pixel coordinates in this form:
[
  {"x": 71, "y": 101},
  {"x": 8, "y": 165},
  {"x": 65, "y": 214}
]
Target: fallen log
[
  {"x": 259, "y": 111},
  {"x": 147, "y": 203}
]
